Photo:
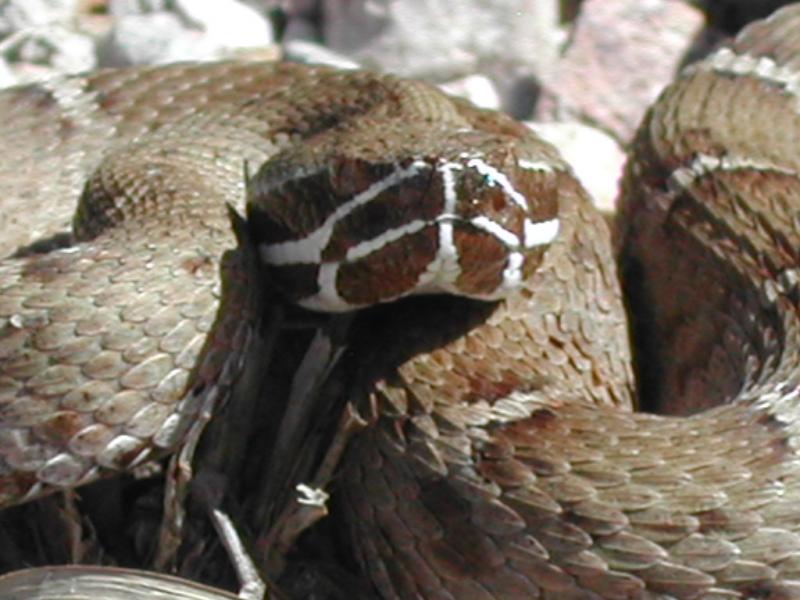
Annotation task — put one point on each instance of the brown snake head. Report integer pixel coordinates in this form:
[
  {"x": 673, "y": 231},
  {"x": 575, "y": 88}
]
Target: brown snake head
[{"x": 467, "y": 214}]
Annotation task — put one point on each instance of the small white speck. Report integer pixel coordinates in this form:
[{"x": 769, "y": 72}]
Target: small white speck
[{"x": 311, "y": 496}]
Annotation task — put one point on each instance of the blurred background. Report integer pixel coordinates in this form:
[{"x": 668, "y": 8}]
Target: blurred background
[{"x": 583, "y": 70}]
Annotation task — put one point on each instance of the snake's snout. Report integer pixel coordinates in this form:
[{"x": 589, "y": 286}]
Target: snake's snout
[{"x": 464, "y": 224}]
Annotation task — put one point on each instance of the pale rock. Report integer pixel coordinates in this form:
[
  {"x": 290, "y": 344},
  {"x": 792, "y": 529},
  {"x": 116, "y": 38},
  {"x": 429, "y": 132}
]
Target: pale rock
[
  {"x": 17, "y": 15},
  {"x": 444, "y": 40},
  {"x": 432, "y": 39},
  {"x": 478, "y": 89},
  {"x": 155, "y": 32},
  {"x": 143, "y": 39},
  {"x": 123, "y": 8},
  {"x": 595, "y": 157},
  {"x": 39, "y": 38},
  {"x": 312, "y": 53},
  {"x": 7, "y": 76},
  {"x": 57, "y": 47},
  {"x": 621, "y": 55}
]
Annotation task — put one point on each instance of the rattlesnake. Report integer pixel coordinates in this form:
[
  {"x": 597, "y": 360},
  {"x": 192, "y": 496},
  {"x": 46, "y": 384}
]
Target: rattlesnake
[{"x": 501, "y": 458}]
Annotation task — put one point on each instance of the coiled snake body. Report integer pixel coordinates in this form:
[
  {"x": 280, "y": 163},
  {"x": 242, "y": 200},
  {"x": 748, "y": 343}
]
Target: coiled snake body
[{"x": 501, "y": 460}]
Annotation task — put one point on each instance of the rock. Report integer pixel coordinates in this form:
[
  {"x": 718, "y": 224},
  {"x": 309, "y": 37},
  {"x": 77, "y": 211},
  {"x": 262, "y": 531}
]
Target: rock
[
  {"x": 302, "y": 20},
  {"x": 40, "y": 38},
  {"x": 182, "y": 30},
  {"x": 478, "y": 89},
  {"x": 445, "y": 40},
  {"x": 7, "y": 76},
  {"x": 622, "y": 53},
  {"x": 595, "y": 156},
  {"x": 18, "y": 15},
  {"x": 312, "y": 53}
]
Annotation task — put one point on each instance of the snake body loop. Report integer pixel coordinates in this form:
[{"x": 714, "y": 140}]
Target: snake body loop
[{"x": 502, "y": 459}]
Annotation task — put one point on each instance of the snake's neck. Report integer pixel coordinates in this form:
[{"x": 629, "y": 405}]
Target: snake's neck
[{"x": 561, "y": 338}]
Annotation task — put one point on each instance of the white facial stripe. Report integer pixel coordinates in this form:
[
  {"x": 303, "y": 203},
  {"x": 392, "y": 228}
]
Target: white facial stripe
[
  {"x": 535, "y": 165},
  {"x": 501, "y": 233},
  {"x": 444, "y": 269},
  {"x": 496, "y": 177},
  {"x": 536, "y": 234},
  {"x": 541, "y": 233},
  {"x": 327, "y": 299},
  {"x": 512, "y": 274},
  {"x": 309, "y": 249},
  {"x": 369, "y": 246}
]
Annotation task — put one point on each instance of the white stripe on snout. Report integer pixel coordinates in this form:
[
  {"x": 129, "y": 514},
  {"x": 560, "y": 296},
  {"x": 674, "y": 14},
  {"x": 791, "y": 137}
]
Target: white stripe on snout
[
  {"x": 327, "y": 299},
  {"x": 536, "y": 234},
  {"x": 309, "y": 249},
  {"x": 367, "y": 247},
  {"x": 444, "y": 269},
  {"x": 497, "y": 230},
  {"x": 541, "y": 233},
  {"x": 512, "y": 274},
  {"x": 535, "y": 165},
  {"x": 497, "y": 177}
]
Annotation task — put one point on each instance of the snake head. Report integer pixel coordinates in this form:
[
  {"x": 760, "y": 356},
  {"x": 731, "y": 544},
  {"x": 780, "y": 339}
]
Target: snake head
[{"x": 349, "y": 232}]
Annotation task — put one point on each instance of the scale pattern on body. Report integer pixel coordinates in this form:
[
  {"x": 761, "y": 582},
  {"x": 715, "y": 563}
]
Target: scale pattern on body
[{"x": 502, "y": 458}]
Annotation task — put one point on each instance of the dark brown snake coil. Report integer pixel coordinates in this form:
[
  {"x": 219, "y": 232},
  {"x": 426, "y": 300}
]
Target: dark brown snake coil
[{"x": 502, "y": 458}]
